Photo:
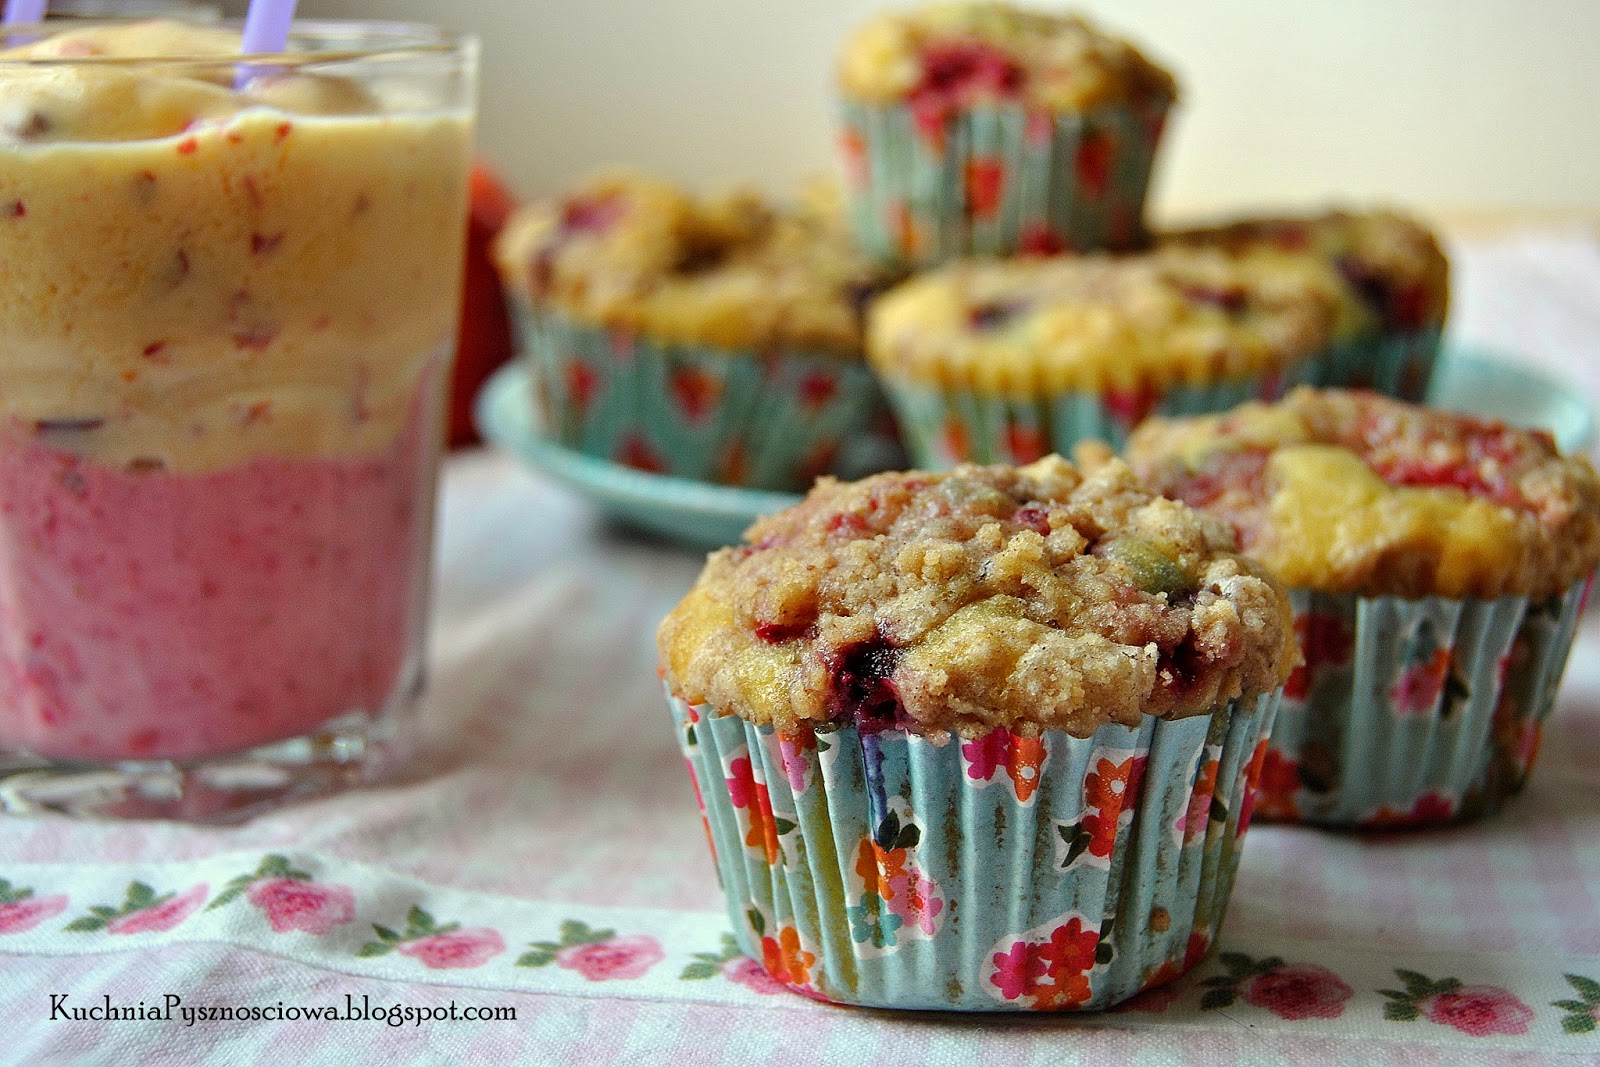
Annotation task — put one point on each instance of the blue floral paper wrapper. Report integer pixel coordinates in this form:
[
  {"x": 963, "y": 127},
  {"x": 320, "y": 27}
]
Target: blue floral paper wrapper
[
  {"x": 758, "y": 420},
  {"x": 1414, "y": 712},
  {"x": 1398, "y": 364},
  {"x": 1002, "y": 874},
  {"x": 997, "y": 180},
  {"x": 946, "y": 426}
]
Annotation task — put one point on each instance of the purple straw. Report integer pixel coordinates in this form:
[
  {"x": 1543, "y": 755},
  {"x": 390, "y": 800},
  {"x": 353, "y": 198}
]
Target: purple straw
[
  {"x": 266, "y": 33},
  {"x": 266, "y": 27},
  {"x": 24, "y": 12}
]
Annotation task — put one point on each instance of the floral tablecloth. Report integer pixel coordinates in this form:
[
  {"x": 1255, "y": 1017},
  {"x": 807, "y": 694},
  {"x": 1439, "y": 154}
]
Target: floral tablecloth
[{"x": 546, "y": 862}]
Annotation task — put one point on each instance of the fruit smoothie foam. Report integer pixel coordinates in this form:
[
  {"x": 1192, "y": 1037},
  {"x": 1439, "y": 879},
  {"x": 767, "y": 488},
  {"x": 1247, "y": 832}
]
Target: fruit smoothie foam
[{"x": 226, "y": 316}]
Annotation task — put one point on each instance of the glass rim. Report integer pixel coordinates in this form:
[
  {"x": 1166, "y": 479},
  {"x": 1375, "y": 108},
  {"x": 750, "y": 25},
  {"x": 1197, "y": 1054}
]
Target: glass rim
[{"x": 369, "y": 39}]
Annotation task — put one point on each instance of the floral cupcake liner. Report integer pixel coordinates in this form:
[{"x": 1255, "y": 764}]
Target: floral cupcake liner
[
  {"x": 997, "y": 180},
  {"x": 1414, "y": 712},
  {"x": 1395, "y": 364},
  {"x": 759, "y": 420},
  {"x": 946, "y": 426},
  {"x": 1007, "y": 873}
]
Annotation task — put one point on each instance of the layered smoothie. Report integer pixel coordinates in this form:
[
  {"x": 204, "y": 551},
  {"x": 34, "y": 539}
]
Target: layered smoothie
[{"x": 226, "y": 319}]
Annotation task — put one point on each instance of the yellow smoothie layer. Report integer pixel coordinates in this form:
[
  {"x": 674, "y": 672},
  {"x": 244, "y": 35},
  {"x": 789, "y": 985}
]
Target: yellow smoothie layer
[
  {"x": 192, "y": 276},
  {"x": 1348, "y": 492},
  {"x": 632, "y": 253},
  {"x": 1031, "y": 598},
  {"x": 1035, "y": 327},
  {"x": 957, "y": 54},
  {"x": 1395, "y": 275}
]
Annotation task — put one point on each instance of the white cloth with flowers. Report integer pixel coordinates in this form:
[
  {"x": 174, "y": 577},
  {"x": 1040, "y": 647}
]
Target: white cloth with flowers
[{"x": 546, "y": 861}]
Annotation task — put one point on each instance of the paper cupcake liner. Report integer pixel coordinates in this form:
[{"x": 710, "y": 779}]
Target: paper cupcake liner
[
  {"x": 997, "y": 180},
  {"x": 1003, "y": 874},
  {"x": 1394, "y": 364},
  {"x": 759, "y": 420},
  {"x": 945, "y": 426},
  {"x": 1414, "y": 712}
]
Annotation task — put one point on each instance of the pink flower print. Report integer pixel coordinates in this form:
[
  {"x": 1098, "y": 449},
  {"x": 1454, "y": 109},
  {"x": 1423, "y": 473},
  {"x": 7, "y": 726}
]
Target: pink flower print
[
  {"x": 1298, "y": 991},
  {"x": 1419, "y": 687},
  {"x": 439, "y": 948},
  {"x": 601, "y": 955},
  {"x": 457, "y": 950},
  {"x": 752, "y": 796},
  {"x": 986, "y": 754},
  {"x": 1130, "y": 407},
  {"x": 24, "y": 911},
  {"x": 793, "y": 749},
  {"x": 750, "y": 974},
  {"x": 1017, "y": 970},
  {"x": 291, "y": 904},
  {"x": 1479, "y": 1010},
  {"x": 629, "y": 956},
  {"x": 914, "y": 899},
  {"x": 159, "y": 917}
]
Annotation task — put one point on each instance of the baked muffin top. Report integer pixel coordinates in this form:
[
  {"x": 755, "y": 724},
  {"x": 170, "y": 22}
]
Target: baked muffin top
[
  {"x": 945, "y": 56},
  {"x": 1038, "y": 326},
  {"x": 1395, "y": 273},
  {"x": 629, "y": 252},
  {"x": 1031, "y": 598},
  {"x": 1350, "y": 492}
]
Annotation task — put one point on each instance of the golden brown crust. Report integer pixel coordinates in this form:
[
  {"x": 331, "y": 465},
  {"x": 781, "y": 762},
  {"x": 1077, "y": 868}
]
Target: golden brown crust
[
  {"x": 1030, "y": 327},
  {"x": 1032, "y": 598},
  {"x": 1393, "y": 267},
  {"x": 1350, "y": 492},
  {"x": 956, "y": 54},
  {"x": 628, "y": 252}
]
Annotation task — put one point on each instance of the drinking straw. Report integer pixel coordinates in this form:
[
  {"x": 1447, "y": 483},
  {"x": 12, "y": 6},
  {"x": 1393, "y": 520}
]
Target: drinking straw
[
  {"x": 22, "y": 12},
  {"x": 266, "y": 32},
  {"x": 266, "y": 27}
]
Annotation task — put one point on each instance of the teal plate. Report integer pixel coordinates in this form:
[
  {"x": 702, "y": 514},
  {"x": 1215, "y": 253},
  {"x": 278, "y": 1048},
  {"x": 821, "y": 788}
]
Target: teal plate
[
  {"x": 692, "y": 513},
  {"x": 708, "y": 516},
  {"x": 1492, "y": 385}
]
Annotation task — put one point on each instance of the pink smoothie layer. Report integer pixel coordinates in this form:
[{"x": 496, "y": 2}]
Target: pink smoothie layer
[{"x": 150, "y": 615}]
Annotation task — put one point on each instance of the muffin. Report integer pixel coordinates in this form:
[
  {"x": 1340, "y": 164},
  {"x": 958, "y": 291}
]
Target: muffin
[
  {"x": 1007, "y": 361},
  {"x": 984, "y": 128},
  {"x": 1393, "y": 294},
  {"x": 981, "y": 740},
  {"x": 1437, "y": 565},
  {"x": 715, "y": 339}
]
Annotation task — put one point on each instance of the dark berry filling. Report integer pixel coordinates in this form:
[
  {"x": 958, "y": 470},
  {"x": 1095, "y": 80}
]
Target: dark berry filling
[
  {"x": 962, "y": 70},
  {"x": 994, "y": 315},
  {"x": 863, "y": 691}
]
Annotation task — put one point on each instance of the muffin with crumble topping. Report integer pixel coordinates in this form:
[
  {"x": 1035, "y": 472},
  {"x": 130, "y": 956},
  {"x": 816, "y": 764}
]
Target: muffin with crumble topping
[
  {"x": 1009, "y": 360},
  {"x": 1437, "y": 563},
  {"x": 717, "y": 338},
  {"x": 1394, "y": 288},
  {"x": 984, "y": 128},
  {"x": 979, "y": 740}
]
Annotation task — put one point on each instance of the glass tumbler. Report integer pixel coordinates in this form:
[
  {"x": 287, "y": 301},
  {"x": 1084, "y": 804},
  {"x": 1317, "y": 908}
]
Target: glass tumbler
[{"x": 229, "y": 294}]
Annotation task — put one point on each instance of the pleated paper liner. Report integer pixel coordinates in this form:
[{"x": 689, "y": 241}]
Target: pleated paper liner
[
  {"x": 1414, "y": 712},
  {"x": 758, "y": 420},
  {"x": 997, "y": 180},
  {"x": 1398, "y": 364},
  {"x": 1002, "y": 874},
  {"x": 946, "y": 426}
]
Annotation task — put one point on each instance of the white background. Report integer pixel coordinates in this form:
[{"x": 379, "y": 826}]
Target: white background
[{"x": 1443, "y": 104}]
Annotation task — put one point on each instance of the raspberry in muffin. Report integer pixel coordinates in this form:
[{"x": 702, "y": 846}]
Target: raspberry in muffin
[
  {"x": 1437, "y": 564},
  {"x": 1394, "y": 294},
  {"x": 990, "y": 128},
  {"x": 1009, "y": 360},
  {"x": 710, "y": 338},
  {"x": 946, "y": 707}
]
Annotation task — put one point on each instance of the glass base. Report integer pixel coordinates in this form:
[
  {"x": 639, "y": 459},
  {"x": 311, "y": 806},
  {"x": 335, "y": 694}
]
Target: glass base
[{"x": 352, "y": 750}]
